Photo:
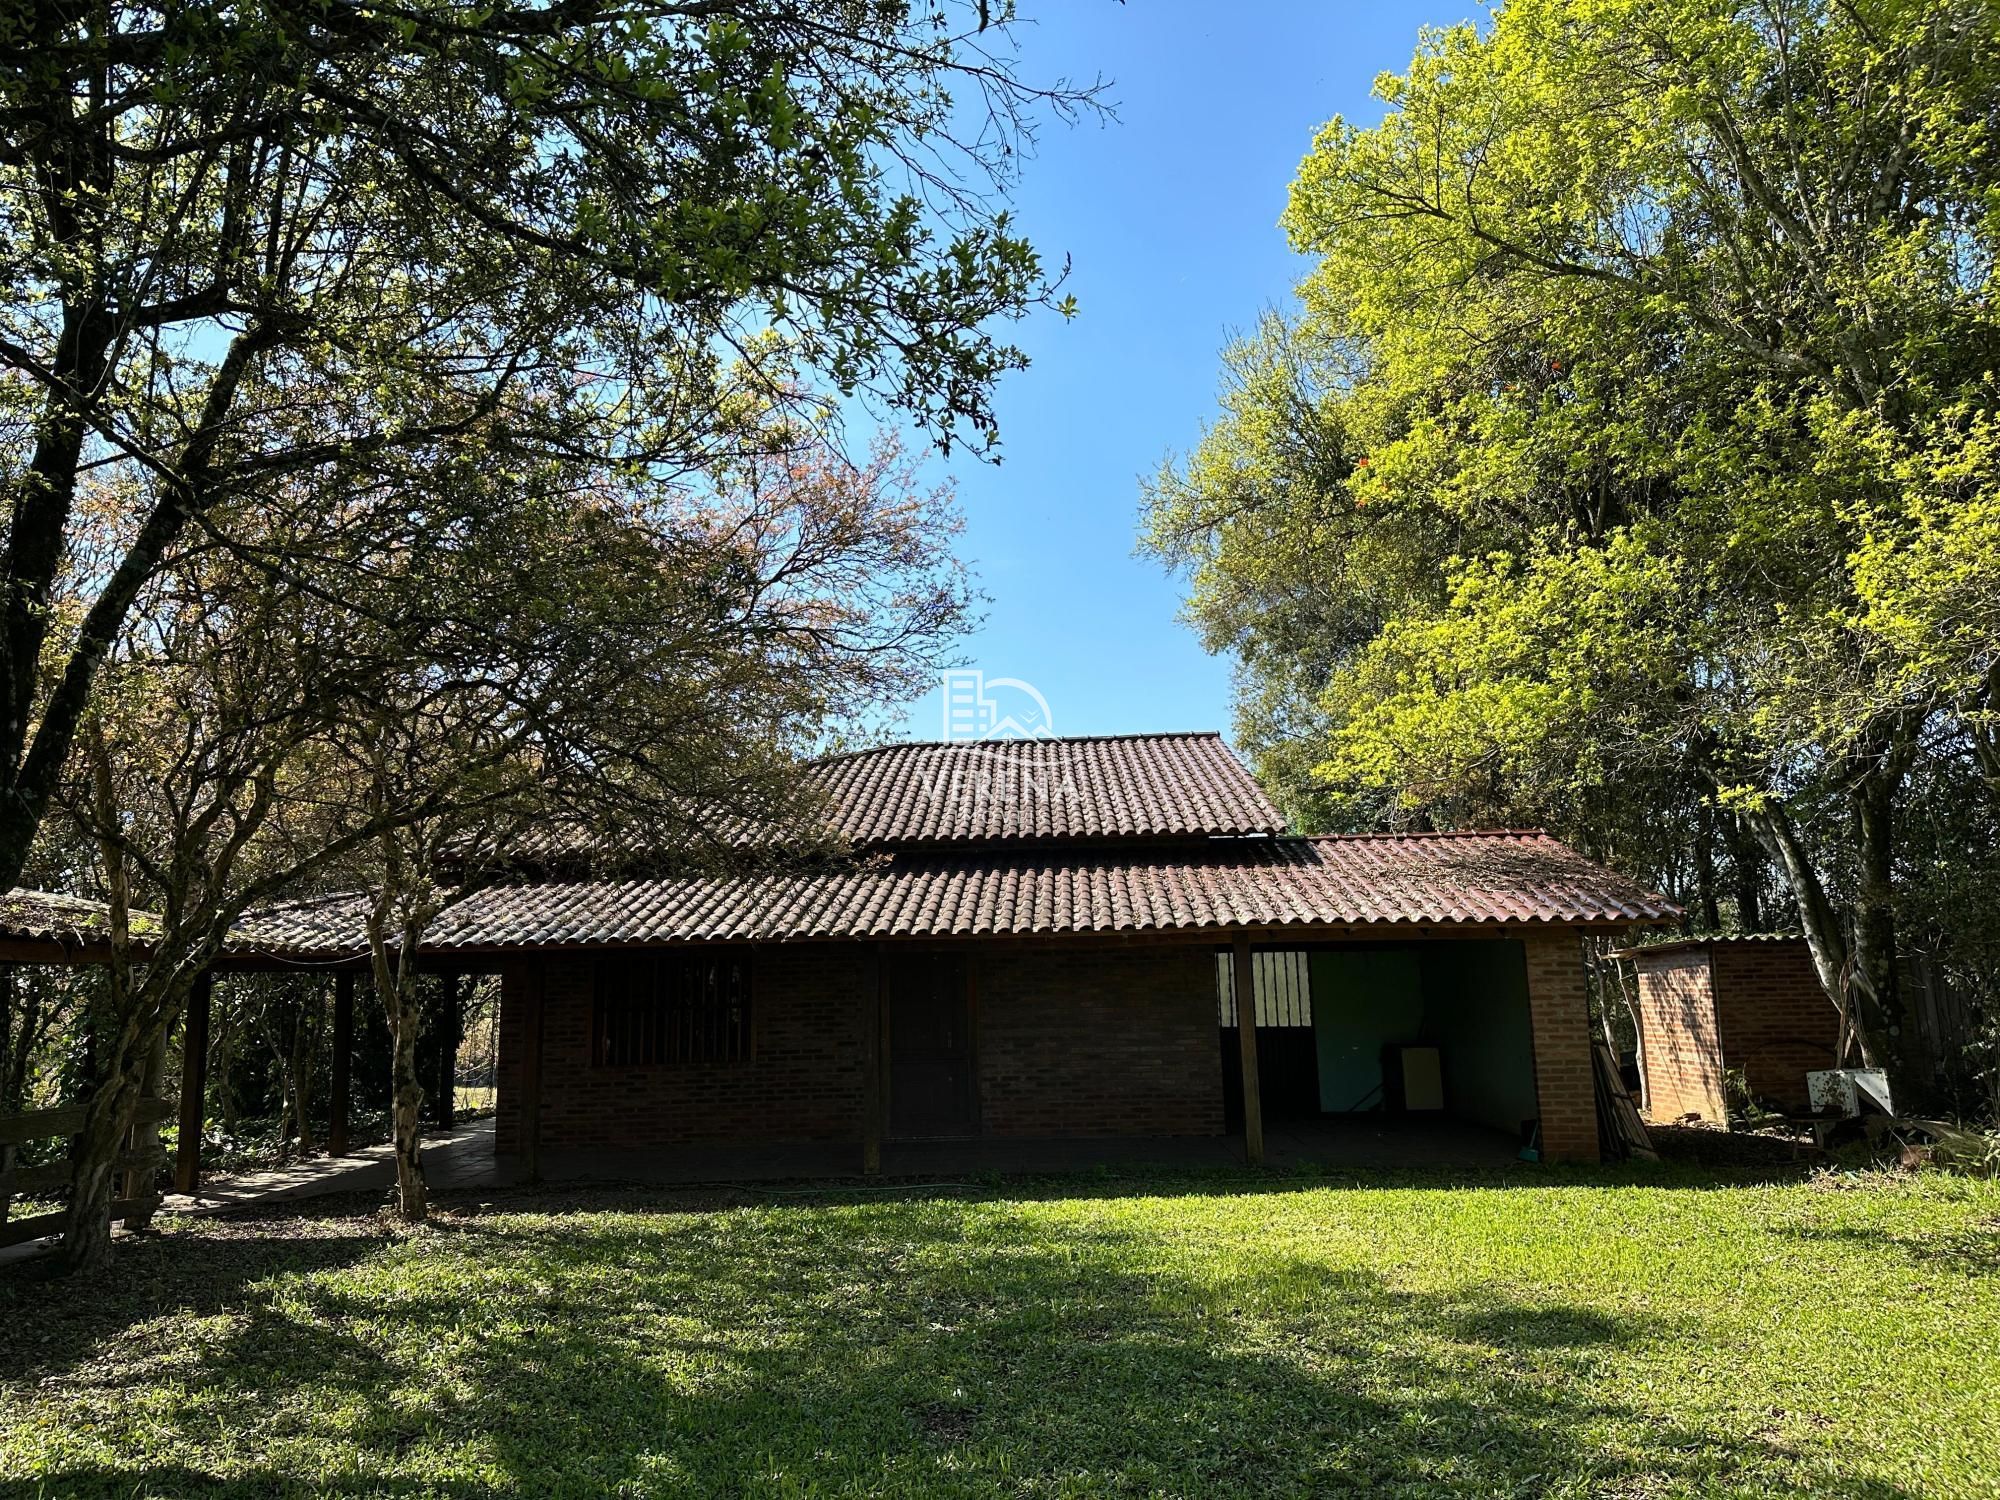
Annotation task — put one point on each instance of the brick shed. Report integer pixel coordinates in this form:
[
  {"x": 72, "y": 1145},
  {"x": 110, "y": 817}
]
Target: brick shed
[
  {"x": 1711, "y": 1005},
  {"x": 1043, "y": 939}
]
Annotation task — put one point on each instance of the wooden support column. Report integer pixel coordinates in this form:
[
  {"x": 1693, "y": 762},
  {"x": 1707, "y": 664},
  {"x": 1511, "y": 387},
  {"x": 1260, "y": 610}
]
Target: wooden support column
[
  {"x": 1246, "y": 1046},
  {"x": 343, "y": 1062},
  {"x": 531, "y": 1073},
  {"x": 194, "y": 1087},
  {"x": 871, "y": 1071}
]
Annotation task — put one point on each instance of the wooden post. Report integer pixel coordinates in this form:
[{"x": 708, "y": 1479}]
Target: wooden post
[
  {"x": 10, "y": 981},
  {"x": 194, "y": 1088},
  {"x": 531, "y": 1073},
  {"x": 343, "y": 1062},
  {"x": 1246, "y": 1046},
  {"x": 871, "y": 1072}
]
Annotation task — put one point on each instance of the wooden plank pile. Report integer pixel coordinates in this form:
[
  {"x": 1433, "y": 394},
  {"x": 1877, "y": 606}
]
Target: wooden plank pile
[{"x": 1619, "y": 1127}]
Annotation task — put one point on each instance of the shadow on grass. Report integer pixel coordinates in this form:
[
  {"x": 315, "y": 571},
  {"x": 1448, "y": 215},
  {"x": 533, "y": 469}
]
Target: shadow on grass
[
  {"x": 54, "y": 1324},
  {"x": 922, "y": 1346},
  {"x": 1973, "y": 1251}
]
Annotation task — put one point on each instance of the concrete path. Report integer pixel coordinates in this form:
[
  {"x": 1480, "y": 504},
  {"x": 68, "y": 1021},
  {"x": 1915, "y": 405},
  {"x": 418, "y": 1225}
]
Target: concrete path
[
  {"x": 460, "y": 1157},
  {"x": 457, "y": 1158}
]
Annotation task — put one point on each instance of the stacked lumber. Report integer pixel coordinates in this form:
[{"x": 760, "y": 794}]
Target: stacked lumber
[{"x": 1619, "y": 1127}]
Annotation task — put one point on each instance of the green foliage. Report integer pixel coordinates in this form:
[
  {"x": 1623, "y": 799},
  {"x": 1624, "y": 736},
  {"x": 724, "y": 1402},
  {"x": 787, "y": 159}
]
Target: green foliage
[
  {"x": 1166, "y": 1335},
  {"x": 249, "y": 247},
  {"x": 1659, "y": 340}
]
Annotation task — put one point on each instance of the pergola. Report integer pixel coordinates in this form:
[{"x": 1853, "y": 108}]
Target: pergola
[{"x": 45, "y": 927}]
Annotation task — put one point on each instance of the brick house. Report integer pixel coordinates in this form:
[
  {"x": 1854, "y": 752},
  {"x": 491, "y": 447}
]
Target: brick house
[
  {"x": 1708, "y": 1006},
  {"x": 1038, "y": 940}
]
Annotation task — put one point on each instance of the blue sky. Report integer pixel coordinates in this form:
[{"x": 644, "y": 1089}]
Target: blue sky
[{"x": 1169, "y": 215}]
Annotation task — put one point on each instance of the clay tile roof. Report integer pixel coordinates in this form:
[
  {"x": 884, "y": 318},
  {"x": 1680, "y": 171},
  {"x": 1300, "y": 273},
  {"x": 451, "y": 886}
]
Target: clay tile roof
[
  {"x": 1467, "y": 879},
  {"x": 65, "y": 921},
  {"x": 1118, "y": 787}
]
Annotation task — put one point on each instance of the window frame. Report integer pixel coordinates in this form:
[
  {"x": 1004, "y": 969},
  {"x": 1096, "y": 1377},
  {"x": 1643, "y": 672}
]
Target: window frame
[{"x": 639, "y": 990}]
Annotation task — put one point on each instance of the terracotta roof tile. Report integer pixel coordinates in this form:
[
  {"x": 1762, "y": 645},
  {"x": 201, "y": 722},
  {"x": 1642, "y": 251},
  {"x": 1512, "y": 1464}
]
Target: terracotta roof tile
[
  {"x": 71, "y": 921},
  {"x": 1480, "y": 879},
  {"x": 1040, "y": 791}
]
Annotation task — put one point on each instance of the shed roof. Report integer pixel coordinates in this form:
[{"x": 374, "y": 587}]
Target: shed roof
[{"x": 1665, "y": 946}]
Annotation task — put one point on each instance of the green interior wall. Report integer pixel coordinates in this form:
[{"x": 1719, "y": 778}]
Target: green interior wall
[
  {"x": 1469, "y": 999},
  {"x": 1476, "y": 1013},
  {"x": 1363, "y": 999}
]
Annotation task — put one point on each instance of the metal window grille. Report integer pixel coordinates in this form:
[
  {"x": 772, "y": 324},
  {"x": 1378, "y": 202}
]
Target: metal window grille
[
  {"x": 1281, "y": 983},
  {"x": 665, "y": 1008}
]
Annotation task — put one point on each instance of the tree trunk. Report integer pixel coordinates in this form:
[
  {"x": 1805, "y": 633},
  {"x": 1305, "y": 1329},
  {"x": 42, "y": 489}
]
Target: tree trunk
[
  {"x": 1706, "y": 909},
  {"x": 1875, "y": 982},
  {"x": 122, "y": 1042},
  {"x": 139, "y": 1183},
  {"x": 412, "y": 1198},
  {"x": 86, "y": 1242},
  {"x": 396, "y": 983},
  {"x": 1746, "y": 863},
  {"x": 1860, "y": 976},
  {"x": 1826, "y": 941}
]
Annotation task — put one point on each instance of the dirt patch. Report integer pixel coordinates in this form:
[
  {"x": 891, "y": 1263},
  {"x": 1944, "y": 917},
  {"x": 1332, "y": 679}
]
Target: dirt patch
[
  {"x": 1718, "y": 1150},
  {"x": 946, "y": 1424}
]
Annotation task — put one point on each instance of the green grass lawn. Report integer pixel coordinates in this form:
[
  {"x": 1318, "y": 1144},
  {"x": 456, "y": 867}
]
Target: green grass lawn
[{"x": 1544, "y": 1333}]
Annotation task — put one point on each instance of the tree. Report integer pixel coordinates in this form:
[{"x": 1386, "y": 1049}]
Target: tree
[
  {"x": 389, "y": 693},
  {"x": 246, "y": 245},
  {"x": 1660, "y": 337},
  {"x": 585, "y": 717}
]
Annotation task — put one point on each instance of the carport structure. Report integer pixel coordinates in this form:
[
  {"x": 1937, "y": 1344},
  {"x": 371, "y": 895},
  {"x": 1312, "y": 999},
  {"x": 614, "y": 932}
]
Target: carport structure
[{"x": 70, "y": 932}]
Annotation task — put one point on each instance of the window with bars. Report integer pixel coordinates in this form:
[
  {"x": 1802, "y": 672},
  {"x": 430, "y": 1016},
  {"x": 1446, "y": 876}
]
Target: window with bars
[
  {"x": 1281, "y": 982},
  {"x": 665, "y": 1008}
]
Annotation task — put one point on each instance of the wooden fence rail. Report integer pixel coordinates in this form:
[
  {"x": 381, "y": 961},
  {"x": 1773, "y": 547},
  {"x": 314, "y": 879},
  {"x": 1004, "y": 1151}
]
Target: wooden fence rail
[{"x": 139, "y": 1163}]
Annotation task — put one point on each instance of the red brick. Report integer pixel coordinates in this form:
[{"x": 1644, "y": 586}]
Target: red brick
[
  {"x": 1559, "y": 1009},
  {"x": 1709, "y": 1008},
  {"x": 1069, "y": 1043}
]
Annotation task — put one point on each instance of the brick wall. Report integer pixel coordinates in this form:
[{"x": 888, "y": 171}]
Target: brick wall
[
  {"x": 1116, "y": 1041},
  {"x": 1680, "y": 1051},
  {"x": 1097, "y": 1042},
  {"x": 1775, "y": 1019},
  {"x": 1559, "y": 1008},
  {"x": 509, "y": 1042},
  {"x": 803, "y": 1083}
]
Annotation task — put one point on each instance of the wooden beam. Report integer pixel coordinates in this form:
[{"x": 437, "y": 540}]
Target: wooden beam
[
  {"x": 39, "y": 1124},
  {"x": 343, "y": 1062},
  {"x": 41, "y": 1226},
  {"x": 1246, "y": 1047},
  {"x": 58, "y": 1174},
  {"x": 871, "y": 1070},
  {"x": 194, "y": 1087}
]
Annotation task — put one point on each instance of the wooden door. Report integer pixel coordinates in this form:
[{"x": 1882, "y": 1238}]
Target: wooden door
[{"x": 933, "y": 1088}]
